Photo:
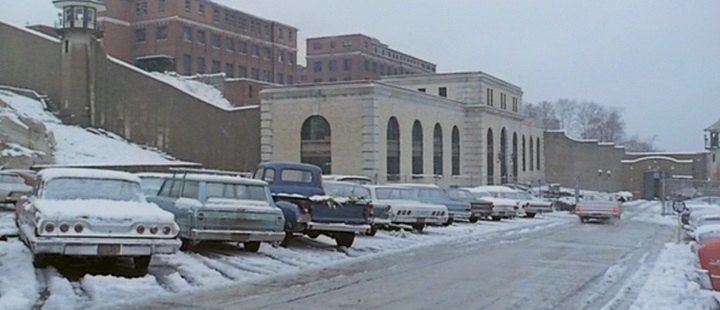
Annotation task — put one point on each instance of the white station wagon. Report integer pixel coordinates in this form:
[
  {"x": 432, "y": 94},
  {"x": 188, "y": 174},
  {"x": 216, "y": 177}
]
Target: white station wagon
[{"x": 88, "y": 212}]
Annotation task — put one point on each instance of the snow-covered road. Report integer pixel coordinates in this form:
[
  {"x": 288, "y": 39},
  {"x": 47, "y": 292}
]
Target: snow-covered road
[{"x": 547, "y": 262}]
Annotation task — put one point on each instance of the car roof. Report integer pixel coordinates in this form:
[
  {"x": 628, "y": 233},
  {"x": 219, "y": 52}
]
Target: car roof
[
  {"x": 220, "y": 179},
  {"x": 496, "y": 188},
  {"x": 340, "y": 183},
  {"x": 418, "y": 185},
  {"x": 153, "y": 175},
  {"x": 339, "y": 177},
  {"x": 289, "y": 165},
  {"x": 53, "y": 173}
]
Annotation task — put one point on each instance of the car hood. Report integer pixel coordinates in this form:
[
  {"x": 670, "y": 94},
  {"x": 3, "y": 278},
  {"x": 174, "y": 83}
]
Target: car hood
[
  {"x": 105, "y": 211},
  {"x": 501, "y": 201}
]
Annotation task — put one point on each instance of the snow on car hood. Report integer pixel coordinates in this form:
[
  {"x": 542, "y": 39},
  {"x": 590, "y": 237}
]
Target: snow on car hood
[
  {"x": 105, "y": 211},
  {"x": 224, "y": 203},
  {"x": 501, "y": 201}
]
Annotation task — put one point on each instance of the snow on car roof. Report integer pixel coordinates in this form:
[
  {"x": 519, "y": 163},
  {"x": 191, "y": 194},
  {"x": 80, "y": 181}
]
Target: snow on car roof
[
  {"x": 417, "y": 185},
  {"x": 707, "y": 228},
  {"x": 221, "y": 178},
  {"x": 153, "y": 175},
  {"x": 52, "y": 173},
  {"x": 495, "y": 188}
]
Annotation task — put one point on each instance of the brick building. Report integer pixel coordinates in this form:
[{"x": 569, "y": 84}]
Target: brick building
[
  {"x": 199, "y": 36},
  {"x": 358, "y": 57}
]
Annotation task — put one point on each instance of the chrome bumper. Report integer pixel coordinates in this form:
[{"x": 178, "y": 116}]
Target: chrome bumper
[
  {"x": 99, "y": 246},
  {"x": 419, "y": 220},
  {"x": 233, "y": 235},
  {"x": 338, "y": 227}
]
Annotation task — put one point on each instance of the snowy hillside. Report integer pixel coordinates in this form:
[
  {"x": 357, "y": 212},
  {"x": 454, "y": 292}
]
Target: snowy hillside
[{"x": 70, "y": 144}]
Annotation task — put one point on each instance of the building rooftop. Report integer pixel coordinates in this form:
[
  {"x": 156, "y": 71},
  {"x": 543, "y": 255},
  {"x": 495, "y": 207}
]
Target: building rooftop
[{"x": 714, "y": 127}]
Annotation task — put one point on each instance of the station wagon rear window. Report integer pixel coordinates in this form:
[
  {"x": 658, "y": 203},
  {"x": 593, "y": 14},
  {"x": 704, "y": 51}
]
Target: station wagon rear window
[
  {"x": 394, "y": 193},
  {"x": 11, "y": 178},
  {"x": 293, "y": 175},
  {"x": 83, "y": 188},
  {"x": 236, "y": 191}
]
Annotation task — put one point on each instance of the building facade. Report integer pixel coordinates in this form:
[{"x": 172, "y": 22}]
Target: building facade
[
  {"x": 199, "y": 36},
  {"x": 357, "y": 57},
  {"x": 390, "y": 131}
]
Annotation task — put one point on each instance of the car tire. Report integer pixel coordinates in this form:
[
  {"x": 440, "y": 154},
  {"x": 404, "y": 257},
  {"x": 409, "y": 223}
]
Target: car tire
[
  {"x": 313, "y": 234},
  {"x": 286, "y": 241},
  {"x": 418, "y": 227},
  {"x": 252, "y": 246},
  {"x": 344, "y": 239},
  {"x": 583, "y": 220},
  {"x": 187, "y": 245},
  {"x": 142, "y": 263},
  {"x": 496, "y": 218},
  {"x": 373, "y": 230},
  {"x": 529, "y": 214},
  {"x": 449, "y": 222},
  {"x": 41, "y": 260},
  {"x": 473, "y": 219}
]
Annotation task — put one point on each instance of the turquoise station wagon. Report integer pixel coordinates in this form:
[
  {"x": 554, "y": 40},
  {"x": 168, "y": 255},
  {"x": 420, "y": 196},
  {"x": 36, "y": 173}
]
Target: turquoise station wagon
[{"x": 221, "y": 208}]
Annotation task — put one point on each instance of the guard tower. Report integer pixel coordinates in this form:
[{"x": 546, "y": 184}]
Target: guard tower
[
  {"x": 712, "y": 145},
  {"x": 82, "y": 55}
]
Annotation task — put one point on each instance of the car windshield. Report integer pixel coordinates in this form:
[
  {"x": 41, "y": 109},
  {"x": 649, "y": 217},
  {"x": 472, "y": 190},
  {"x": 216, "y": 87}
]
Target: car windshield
[
  {"x": 345, "y": 190},
  {"x": 151, "y": 185},
  {"x": 11, "y": 179},
  {"x": 523, "y": 196},
  {"x": 395, "y": 193},
  {"x": 459, "y": 194},
  {"x": 598, "y": 198},
  {"x": 88, "y": 188},
  {"x": 431, "y": 193},
  {"x": 236, "y": 191}
]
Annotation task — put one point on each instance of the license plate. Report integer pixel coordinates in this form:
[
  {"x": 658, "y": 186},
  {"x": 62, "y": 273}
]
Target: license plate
[
  {"x": 108, "y": 249},
  {"x": 421, "y": 220}
]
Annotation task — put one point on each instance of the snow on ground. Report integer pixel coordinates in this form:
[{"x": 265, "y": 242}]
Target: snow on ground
[
  {"x": 77, "y": 145},
  {"x": 672, "y": 285},
  {"x": 650, "y": 212},
  {"x": 7, "y": 222},
  {"x": 224, "y": 264},
  {"x": 199, "y": 89}
]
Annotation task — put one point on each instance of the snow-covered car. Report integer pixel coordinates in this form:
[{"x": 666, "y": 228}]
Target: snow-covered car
[
  {"x": 88, "y": 212},
  {"x": 699, "y": 218},
  {"x": 502, "y": 207},
  {"x": 479, "y": 208},
  {"x": 397, "y": 206},
  {"x": 151, "y": 182},
  {"x": 13, "y": 186},
  {"x": 357, "y": 179},
  {"x": 212, "y": 207},
  {"x": 433, "y": 194}
]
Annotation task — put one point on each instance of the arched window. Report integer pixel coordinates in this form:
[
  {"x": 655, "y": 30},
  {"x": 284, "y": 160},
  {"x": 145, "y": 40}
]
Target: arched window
[
  {"x": 537, "y": 157},
  {"x": 524, "y": 153},
  {"x": 503, "y": 157},
  {"x": 514, "y": 156},
  {"x": 315, "y": 143},
  {"x": 393, "y": 150},
  {"x": 455, "y": 151},
  {"x": 531, "y": 154},
  {"x": 437, "y": 150},
  {"x": 490, "y": 158},
  {"x": 417, "y": 148}
]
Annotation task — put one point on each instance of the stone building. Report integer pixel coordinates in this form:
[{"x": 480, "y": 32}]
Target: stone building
[
  {"x": 357, "y": 57},
  {"x": 455, "y": 128}
]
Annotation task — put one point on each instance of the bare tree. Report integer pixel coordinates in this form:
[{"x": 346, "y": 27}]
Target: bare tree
[
  {"x": 543, "y": 115},
  {"x": 590, "y": 120},
  {"x": 565, "y": 112},
  {"x": 613, "y": 129},
  {"x": 637, "y": 144}
]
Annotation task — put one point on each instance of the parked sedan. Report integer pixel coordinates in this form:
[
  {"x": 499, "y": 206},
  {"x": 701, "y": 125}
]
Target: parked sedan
[
  {"x": 13, "y": 186},
  {"x": 433, "y": 194},
  {"x": 479, "y": 208},
  {"x": 502, "y": 207},
  {"x": 398, "y": 207},
  {"x": 87, "y": 212},
  {"x": 221, "y": 208}
]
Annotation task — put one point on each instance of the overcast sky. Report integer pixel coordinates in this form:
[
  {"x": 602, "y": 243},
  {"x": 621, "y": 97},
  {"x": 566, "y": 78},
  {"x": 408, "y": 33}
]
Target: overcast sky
[{"x": 659, "y": 61}]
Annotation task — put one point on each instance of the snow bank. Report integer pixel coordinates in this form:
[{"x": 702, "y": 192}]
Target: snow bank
[
  {"x": 18, "y": 287},
  {"x": 671, "y": 283},
  {"x": 7, "y": 224},
  {"x": 201, "y": 90},
  {"x": 650, "y": 212}
]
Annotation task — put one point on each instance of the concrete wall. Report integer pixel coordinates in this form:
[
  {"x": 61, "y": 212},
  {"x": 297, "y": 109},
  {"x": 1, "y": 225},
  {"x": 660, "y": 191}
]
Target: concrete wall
[
  {"x": 582, "y": 162},
  {"x": 129, "y": 102}
]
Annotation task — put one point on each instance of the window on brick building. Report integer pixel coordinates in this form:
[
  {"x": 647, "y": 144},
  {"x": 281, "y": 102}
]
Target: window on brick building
[
  {"x": 230, "y": 44},
  {"x": 187, "y": 33},
  {"x": 291, "y": 58},
  {"x": 290, "y": 79},
  {"x": 374, "y": 67},
  {"x": 317, "y": 45},
  {"x": 317, "y": 80},
  {"x": 216, "y": 15},
  {"x": 201, "y": 65},
  {"x": 201, "y": 36},
  {"x": 161, "y": 33},
  {"x": 255, "y": 50},
  {"x": 255, "y": 73},
  {"x": 347, "y": 78},
  {"x": 188, "y": 7},
  {"x": 215, "y": 40},
  {"x": 280, "y": 78},
  {"x": 266, "y": 76},
  {"x": 442, "y": 91},
  {"x": 347, "y": 64},
  {"x": 161, "y": 6},
  {"x": 332, "y": 79},
  {"x": 242, "y": 72},
  {"x": 201, "y": 9},
  {"x": 367, "y": 65},
  {"x": 332, "y": 44},
  {"x": 141, "y": 8},
  {"x": 267, "y": 52},
  {"x": 230, "y": 70},
  {"x": 290, "y": 35},
  {"x": 317, "y": 66},
  {"x": 187, "y": 64},
  {"x": 140, "y": 35},
  {"x": 242, "y": 47},
  {"x": 422, "y": 90},
  {"x": 332, "y": 65},
  {"x": 215, "y": 68},
  {"x": 347, "y": 44}
]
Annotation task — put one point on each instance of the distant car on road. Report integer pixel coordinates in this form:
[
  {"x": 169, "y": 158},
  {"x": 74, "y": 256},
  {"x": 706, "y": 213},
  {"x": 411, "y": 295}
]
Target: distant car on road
[
  {"x": 88, "y": 212},
  {"x": 598, "y": 207}
]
